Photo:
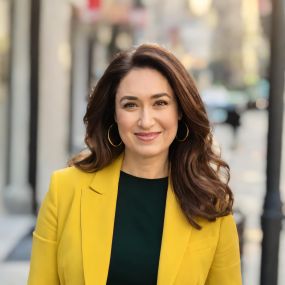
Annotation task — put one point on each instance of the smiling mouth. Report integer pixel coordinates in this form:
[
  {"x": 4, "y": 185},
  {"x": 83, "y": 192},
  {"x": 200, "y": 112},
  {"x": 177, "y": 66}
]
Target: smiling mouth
[{"x": 147, "y": 136}]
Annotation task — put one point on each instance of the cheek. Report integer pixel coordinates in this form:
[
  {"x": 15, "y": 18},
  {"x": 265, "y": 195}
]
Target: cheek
[
  {"x": 174, "y": 128},
  {"x": 124, "y": 123},
  {"x": 171, "y": 121}
]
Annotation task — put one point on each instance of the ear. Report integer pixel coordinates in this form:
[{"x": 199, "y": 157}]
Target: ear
[{"x": 115, "y": 117}]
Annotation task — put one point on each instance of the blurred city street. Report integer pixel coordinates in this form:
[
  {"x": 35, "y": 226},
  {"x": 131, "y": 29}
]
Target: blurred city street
[
  {"x": 52, "y": 53},
  {"x": 247, "y": 161}
]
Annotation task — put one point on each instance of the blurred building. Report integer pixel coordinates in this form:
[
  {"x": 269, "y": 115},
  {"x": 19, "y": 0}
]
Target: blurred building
[
  {"x": 5, "y": 18},
  {"x": 46, "y": 75},
  {"x": 50, "y": 112},
  {"x": 53, "y": 52},
  {"x": 236, "y": 40}
]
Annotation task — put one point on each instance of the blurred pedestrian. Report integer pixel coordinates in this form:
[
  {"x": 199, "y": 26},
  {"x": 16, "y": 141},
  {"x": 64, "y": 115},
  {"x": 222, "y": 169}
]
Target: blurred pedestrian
[
  {"x": 149, "y": 202},
  {"x": 233, "y": 119}
]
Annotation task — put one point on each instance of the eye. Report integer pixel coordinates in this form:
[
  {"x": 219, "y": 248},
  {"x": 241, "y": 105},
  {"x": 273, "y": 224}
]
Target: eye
[
  {"x": 129, "y": 105},
  {"x": 161, "y": 103}
]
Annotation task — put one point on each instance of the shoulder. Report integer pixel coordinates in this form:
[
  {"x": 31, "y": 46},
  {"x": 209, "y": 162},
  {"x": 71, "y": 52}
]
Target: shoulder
[
  {"x": 71, "y": 173},
  {"x": 227, "y": 225},
  {"x": 222, "y": 227},
  {"x": 221, "y": 222},
  {"x": 70, "y": 178}
]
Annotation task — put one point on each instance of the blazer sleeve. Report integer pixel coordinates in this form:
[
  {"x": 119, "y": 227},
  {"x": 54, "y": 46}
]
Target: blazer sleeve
[
  {"x": 225, "y": 269},
  {"x": 43, "y": 264}
]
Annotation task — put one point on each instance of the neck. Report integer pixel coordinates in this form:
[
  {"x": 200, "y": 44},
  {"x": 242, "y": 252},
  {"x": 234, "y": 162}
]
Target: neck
[{"x": 146, "y": 167}]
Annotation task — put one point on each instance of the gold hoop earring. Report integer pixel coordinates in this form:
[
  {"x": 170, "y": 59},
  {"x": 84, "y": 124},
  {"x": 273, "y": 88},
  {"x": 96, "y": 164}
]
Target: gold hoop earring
[
  {"x": 186, "y": 136},
  {"x": 109, "y": 138}
]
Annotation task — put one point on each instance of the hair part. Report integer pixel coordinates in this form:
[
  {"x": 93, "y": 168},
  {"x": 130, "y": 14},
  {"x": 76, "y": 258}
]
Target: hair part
[{"x": 199, "y": 176}]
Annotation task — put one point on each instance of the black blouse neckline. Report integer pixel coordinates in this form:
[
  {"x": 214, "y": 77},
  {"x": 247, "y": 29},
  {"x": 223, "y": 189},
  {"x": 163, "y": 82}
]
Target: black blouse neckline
[{"x": 133, "y": 177}]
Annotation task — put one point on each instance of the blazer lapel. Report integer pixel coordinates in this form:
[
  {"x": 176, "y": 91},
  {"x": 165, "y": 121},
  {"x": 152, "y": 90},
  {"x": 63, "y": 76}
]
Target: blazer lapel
[
  {"x": 176, "y": 235},
  {"x": 98, "y": 206}
]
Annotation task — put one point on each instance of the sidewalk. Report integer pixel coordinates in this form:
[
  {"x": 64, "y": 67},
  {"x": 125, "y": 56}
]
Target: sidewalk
[{"x": 12, "y": 230}]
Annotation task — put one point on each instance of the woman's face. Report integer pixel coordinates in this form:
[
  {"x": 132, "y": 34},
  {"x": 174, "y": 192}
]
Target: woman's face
[{"x": 146, "y": 113}]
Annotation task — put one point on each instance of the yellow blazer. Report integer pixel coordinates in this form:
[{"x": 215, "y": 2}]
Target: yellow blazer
[{"x": 73, "y": 236}]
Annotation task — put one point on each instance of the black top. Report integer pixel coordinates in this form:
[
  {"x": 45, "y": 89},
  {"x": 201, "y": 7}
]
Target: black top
[{"x": 137, "y": 230}]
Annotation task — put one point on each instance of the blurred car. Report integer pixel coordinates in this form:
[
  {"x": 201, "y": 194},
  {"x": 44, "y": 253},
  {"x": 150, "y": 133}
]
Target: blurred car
[
  {"x": 223, "y": 105},
  {"x": 258, "y": 95}
]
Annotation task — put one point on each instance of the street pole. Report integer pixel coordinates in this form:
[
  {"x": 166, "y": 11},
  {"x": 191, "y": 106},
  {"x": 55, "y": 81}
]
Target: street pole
[
  {"x": 271, "y": 219},
  {"x": 34, "y": 95}
]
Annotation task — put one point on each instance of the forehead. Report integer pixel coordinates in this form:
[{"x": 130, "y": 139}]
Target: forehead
[{"x": 143, "y": 82}]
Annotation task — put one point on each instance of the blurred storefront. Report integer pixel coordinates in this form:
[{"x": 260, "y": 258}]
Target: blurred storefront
[
  {"x": 51, "y": 54},
  {"x": 17, "y": 189},
  {"x": 99, "y": 30},
  {"x": 5, "y": 41},
  {"x": 51, "y": 74}
]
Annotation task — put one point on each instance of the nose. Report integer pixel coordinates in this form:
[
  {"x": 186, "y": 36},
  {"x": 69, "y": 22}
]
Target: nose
[{"x": 146, "y": 119}]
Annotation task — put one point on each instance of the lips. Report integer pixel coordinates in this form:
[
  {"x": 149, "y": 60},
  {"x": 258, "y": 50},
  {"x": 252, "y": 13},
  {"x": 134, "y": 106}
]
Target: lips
[{"x": 147, "y": 136}]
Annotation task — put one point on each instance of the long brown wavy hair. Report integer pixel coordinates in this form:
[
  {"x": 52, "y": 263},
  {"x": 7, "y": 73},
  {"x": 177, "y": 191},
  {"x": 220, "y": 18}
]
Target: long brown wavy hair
[{"x": 199, "y": 176}]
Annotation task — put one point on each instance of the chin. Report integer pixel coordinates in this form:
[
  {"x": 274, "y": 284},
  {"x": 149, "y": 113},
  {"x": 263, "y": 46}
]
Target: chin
[{"x": 150, "y": 153}]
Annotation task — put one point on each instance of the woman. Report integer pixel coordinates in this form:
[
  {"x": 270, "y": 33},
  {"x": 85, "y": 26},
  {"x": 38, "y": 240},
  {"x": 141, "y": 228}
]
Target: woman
[{"x": 149, "y": 203}]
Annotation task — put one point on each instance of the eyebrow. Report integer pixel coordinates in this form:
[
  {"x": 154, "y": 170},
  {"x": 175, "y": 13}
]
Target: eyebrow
[{"x": 154, "y": 96}]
